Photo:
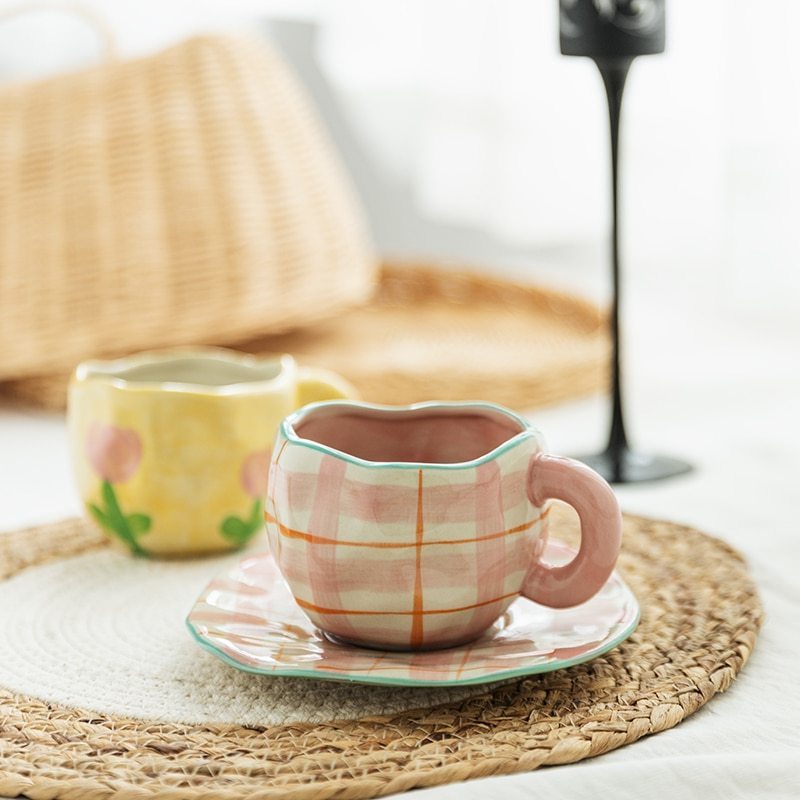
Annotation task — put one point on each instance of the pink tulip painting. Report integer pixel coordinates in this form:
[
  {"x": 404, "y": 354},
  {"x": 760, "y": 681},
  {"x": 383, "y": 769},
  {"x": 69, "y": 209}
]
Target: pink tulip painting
[
  {"x": 114, "y": 454},
  {"x": 253, "y": 477},
  {"x": 254, "y": 473}
]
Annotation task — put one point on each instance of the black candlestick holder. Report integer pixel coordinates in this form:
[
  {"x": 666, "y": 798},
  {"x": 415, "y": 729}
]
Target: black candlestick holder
[{"x": 612, "y": 33}]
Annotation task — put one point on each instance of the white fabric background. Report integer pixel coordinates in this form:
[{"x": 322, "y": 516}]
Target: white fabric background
[{"x": 107, "y": 634}]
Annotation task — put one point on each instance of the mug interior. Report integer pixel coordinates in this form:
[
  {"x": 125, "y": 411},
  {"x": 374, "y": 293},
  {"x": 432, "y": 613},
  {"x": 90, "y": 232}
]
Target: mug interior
[
  {"x": 431, "y": 435},
  {"x": 191, "y": 370}
]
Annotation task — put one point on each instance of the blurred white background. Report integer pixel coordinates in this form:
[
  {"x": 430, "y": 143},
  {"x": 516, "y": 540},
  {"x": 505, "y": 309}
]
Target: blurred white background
[{"x": 473, "y": 139}]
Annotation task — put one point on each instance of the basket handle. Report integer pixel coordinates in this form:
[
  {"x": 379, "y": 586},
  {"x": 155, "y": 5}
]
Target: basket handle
[{"x": 93, "y": 20}]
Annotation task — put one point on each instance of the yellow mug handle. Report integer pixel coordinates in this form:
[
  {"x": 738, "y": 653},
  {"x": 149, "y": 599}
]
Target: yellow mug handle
[{"x": 315, "y": 384}]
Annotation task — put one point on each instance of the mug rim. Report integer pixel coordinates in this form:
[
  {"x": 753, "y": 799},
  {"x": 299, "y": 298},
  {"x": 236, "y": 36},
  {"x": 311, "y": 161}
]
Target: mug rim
[
  {"x": 107, "y": 371},
  {"x": 528, "y": 431}
]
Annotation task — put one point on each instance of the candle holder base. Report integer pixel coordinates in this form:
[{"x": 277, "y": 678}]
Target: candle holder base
[{"x": 628, "y": 466}]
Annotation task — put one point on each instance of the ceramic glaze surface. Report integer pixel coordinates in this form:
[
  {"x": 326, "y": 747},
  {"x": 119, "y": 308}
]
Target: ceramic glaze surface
[
  {"x": 171, "y": 450},
  {"x": 248, "y": 617},
  {"x": 411, "y": 527}
]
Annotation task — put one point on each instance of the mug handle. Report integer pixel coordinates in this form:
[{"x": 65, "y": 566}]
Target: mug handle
[
  {"x": 315, "y": 384},
  {"x": 554, "y": 477}
]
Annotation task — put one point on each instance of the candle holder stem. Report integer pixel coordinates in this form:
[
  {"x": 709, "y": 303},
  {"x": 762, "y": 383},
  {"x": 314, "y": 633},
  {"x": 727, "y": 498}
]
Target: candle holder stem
[
  {"x": 618, "y": 463},
  {"x": 614, "y": 73}
]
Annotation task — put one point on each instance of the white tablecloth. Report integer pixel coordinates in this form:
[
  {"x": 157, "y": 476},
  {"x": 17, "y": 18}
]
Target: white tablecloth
[{"x": 717, "y": 387}]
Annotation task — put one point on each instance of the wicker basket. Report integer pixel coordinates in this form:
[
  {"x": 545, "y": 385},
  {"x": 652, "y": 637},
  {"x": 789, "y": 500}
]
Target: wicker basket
[
  {"x": 435, "y": 334},
  {"x": 165, "y": 200}
]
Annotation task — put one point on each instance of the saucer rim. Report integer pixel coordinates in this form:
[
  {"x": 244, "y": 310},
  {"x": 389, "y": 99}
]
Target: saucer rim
[{"x": 494, "y": 677}]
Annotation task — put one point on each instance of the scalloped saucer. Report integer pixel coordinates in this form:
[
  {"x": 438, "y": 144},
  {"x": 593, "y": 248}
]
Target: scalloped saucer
[{"x": 249, "y": 619}]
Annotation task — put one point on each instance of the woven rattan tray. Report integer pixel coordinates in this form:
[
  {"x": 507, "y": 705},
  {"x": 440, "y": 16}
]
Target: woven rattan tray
[
  {"x": 701, "y": 614},
  {"x": 437, "y": 334}
]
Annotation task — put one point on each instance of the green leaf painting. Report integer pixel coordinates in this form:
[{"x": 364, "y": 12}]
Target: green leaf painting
[
  {"x": 126, "y": 527},
  {"x": 239, "y": 531}
]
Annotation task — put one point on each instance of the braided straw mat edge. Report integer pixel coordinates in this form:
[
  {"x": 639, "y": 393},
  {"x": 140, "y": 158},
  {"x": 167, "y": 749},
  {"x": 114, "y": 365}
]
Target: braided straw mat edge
[
  {"x": 435, "y": 334},
  {"x": 701, "y": 614}
]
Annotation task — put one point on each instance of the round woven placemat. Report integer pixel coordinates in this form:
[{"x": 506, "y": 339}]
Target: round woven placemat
[
  {"x": 434, "y": 334},
  {"x": 701, "y": 614}
]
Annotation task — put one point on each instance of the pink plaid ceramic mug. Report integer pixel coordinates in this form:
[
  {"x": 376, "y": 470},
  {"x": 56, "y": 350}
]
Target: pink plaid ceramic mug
[{"x": 415, "y": 527}]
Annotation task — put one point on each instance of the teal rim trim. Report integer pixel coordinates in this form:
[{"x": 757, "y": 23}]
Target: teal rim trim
[
  {"x": 534, "y": 669},
  {"x": 528, "y": 432}
]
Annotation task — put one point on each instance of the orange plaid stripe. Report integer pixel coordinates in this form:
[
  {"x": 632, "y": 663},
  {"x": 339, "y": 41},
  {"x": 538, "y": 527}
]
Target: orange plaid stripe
[
  {"x": 415, "y": 612},
  {"x": 312, "y": 538}
]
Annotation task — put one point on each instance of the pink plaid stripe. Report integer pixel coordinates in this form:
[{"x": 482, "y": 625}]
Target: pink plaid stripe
[
  {"x": 420, "y": 561},
  {"x": 322, "y": 569},
  {"x": 273, "y": 532},
  {"x": 491, "y": 564},
  {"x": 431, "y": 665},
  {"x": 398, "y": 504}
]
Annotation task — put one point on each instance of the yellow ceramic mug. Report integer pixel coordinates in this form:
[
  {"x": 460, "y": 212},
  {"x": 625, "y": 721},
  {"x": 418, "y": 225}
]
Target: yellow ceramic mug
[{"x": 171, "y": 449}]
